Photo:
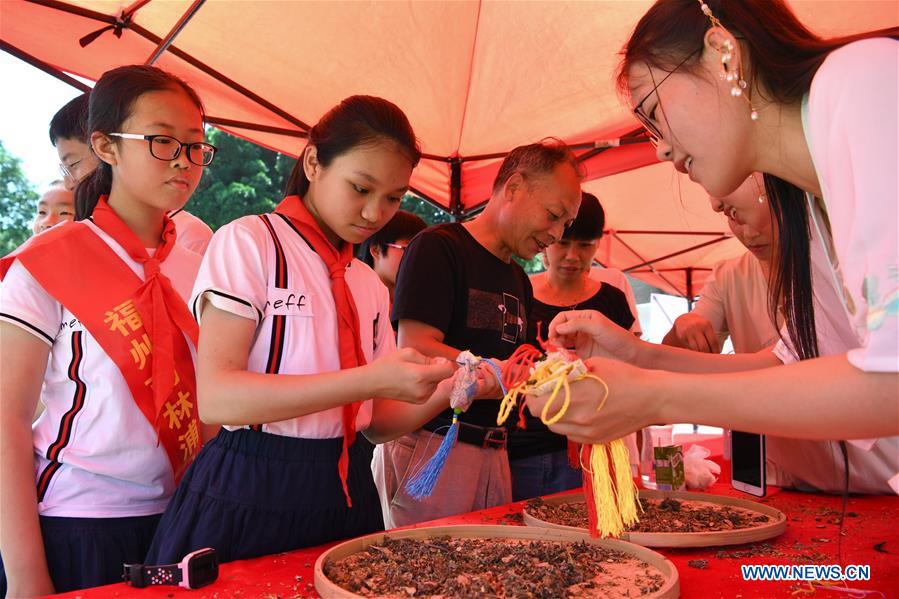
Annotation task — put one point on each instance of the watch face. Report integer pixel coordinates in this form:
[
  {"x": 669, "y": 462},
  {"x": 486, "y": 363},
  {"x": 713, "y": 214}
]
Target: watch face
[{"x": 203, "y": 568}]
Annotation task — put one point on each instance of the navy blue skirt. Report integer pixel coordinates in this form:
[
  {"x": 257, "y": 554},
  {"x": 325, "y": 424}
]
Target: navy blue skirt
[
  {"x": 89, "y": 552},
  {"x": 251, "y": 493}
]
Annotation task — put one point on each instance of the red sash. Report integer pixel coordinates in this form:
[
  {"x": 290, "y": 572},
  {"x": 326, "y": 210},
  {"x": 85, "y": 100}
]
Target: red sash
[
  {"x": 138, "y": 323},
  {"x": 348, "y": 335}
]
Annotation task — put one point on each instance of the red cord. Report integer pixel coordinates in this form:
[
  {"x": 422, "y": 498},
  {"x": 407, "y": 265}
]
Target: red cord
[
  {"x": 574, "y": 454},
  {"x": 547, "y": 347},
  {"x": 552, "y": 347},
  {"x": 522, "y": 422},
  {"x": 517, "y": 368},
  {"x": 592, "y": 517}
]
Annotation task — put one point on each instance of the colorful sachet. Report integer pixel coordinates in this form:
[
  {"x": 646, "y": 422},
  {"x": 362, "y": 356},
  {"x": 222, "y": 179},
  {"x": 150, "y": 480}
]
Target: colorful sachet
[
  {"x": 608, "y": 486},
  {"x": 422, "y": 482}
]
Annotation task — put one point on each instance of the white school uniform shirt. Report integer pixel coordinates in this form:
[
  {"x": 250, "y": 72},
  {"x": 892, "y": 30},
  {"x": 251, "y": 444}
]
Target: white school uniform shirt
[
  {"x": 193, "y": 233},
  {"x": 851, "y": 123},
  {"x": 296, "y": 318},
  {"x": 110, "y": 464},
  {"x": 618, "y": 279},
  {"x": 734, "y": 300}
]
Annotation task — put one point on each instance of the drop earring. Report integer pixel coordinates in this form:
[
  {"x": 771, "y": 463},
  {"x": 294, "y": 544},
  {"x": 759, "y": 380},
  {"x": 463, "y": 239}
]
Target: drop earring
[
  {"x": 731, "y": 74},
  {"x": 762, "y": 193}
]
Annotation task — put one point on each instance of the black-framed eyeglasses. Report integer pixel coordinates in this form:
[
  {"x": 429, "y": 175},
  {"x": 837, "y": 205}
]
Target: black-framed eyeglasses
[
  {"x": 166, "y": 147},
  {"x": 655, "y": 134}
]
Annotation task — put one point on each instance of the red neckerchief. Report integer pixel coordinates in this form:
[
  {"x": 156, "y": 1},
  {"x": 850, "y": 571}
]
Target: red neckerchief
[
  {"x": 348, "y": 336},
  {"x": 164, "y": 311},
  {"x": 138, "y": 323}
]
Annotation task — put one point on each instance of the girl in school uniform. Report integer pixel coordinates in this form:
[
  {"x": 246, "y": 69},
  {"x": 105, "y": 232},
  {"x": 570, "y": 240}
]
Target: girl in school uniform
[
  {"x": 295, "y": 344},
  {"x": 94, "y": 322}
]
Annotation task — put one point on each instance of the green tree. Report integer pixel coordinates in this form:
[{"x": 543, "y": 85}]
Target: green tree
[
  {"x": 427, "y": 211},
  {"x": 17, "y": 203},
  {"x": 243, "y": 179},
  {"x": 534, "y": 265}
]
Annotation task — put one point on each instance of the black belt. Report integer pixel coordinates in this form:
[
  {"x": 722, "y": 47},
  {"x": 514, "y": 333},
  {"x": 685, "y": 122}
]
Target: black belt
[{"x": 482, "y": 436}]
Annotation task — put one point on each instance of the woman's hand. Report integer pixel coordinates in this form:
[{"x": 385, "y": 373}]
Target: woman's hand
[
  {"x": 591, "y": 334},
  {"x": 409, "y": 376},
  {"x": 631, "y": 404},
  {"x": 695, "y": 332}
]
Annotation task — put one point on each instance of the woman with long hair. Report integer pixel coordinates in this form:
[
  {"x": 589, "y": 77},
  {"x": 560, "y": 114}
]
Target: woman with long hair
[{"x": 729, "y": 87}]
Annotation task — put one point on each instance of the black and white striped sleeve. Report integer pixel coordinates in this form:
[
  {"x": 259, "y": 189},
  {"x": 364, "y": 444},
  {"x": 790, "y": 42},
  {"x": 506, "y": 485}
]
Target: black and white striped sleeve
[{"x": 25, "y": 304}]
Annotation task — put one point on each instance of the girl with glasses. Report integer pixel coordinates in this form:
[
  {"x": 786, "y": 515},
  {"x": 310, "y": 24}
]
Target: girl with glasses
[
  {"x": 94, "y": 323},
  {"x": 760, "y": 92},
  {"x": 69, "y": 135}
]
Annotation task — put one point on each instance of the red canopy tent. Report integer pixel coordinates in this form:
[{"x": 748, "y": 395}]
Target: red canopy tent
[{"x": 476, "y": 79}]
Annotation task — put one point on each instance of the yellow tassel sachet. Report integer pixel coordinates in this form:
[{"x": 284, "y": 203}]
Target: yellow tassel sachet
[{"x": 612, "y": 498}]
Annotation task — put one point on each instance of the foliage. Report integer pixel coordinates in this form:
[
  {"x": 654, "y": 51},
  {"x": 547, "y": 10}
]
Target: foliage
[
  {"x": 428, "y": 212},
  {"x": 17, "y": 203},
  {"x": 532, "y": 266},
  {"x": 243, "y": 179}
]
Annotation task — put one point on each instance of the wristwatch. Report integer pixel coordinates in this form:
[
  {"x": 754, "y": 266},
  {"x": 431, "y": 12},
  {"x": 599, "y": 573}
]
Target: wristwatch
[{"x": 196, "y": 570}]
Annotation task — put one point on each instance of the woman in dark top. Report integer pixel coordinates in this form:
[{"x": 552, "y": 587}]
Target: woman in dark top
[{"x": 538, "y": 458}]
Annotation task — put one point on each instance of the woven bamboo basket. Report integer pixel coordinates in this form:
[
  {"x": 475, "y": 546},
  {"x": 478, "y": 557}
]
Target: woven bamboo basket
[
  {"x": 669, "y": 590},
  {"x": 776, "y": 525}
]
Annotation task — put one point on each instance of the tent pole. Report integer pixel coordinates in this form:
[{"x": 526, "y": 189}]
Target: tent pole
[
  {"x": 678, "y": 253},
  {"x": 223, "y": 122},
  {"x": 167, "y": 41},
  {"x": 40, "y": 64},
  {"x": 654, "y": 271},
  {"x": 689, "y": 273},
  {"x": 133, "y": 8},
  {"x": 455, "y": 207},
  {"x": 473, "y": 212},
  {"x": 676, "y": 269},
  {"x": 435, "y": 157},
  {"x": 152, "y": 37},
  {"x": 650, "y": 232}
]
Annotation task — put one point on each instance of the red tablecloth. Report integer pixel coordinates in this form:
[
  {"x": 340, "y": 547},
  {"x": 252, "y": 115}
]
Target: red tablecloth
[{"x": 811, "y": 537}]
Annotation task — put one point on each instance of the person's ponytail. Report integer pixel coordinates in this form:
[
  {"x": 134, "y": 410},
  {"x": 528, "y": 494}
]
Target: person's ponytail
[
  {"x": 355, "y": 122},
  {"x": 89, "y": 190}
]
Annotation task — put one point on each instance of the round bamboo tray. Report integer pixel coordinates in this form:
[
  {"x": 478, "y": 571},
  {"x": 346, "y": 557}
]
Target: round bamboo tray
[
  {"x": 775, "y": 527},
  {"x": 670, "y": 589}
]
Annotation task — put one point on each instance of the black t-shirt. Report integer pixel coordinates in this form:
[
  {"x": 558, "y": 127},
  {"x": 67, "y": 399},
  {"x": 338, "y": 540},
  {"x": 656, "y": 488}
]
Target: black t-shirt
[
  {"x": 536, "y": 438},
  {"x": 451, "y": 282}
]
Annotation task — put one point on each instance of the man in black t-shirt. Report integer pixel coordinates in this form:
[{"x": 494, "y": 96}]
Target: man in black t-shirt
[{"x": 458, "y": 288}]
